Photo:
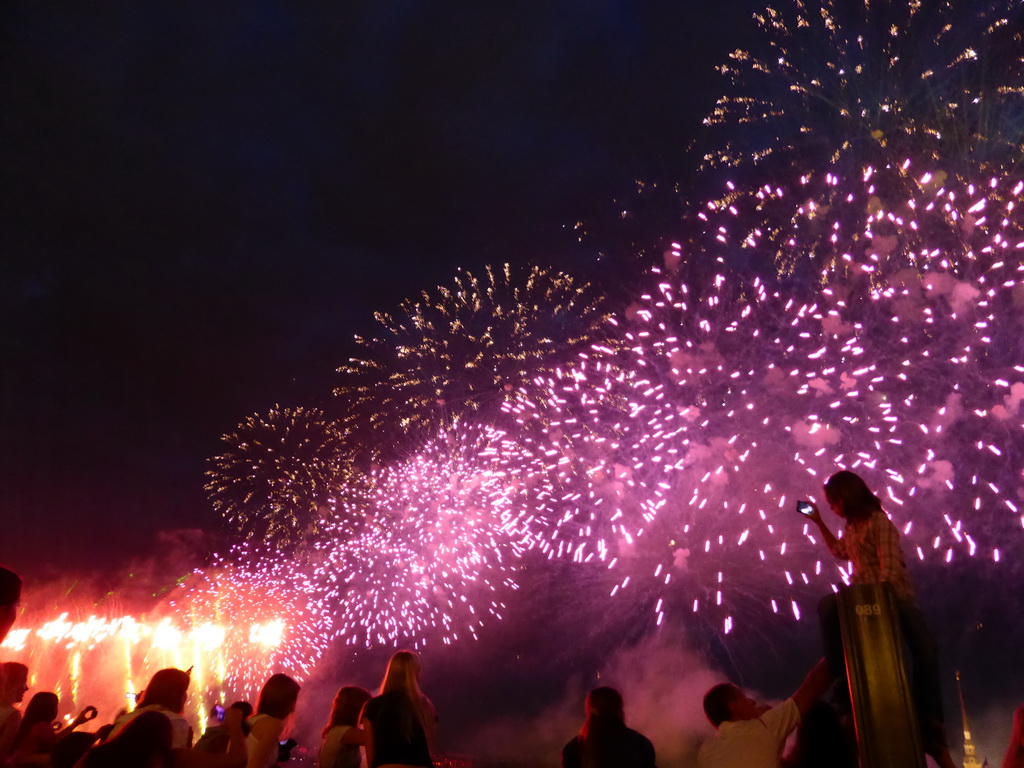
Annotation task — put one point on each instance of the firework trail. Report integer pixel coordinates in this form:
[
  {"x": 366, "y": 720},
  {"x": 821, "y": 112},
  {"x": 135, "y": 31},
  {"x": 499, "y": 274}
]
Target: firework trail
[
  {"x": 462, "y": 352},
  {"x": 276, "y": 473},
  {"x": 232, "y": 625}
]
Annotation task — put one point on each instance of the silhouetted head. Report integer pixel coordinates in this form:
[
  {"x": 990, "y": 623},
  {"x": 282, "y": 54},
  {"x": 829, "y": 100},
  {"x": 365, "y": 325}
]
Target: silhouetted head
[
  {"x": 604, "y": 702},
  {"x": 605, "y": 714},
  {"x": 10, "y": 596},
  {"x": 403, "y": 674},
  {"x": 14, "y": 677},
  {"x": 168, "y": 688},
  {"x": 726, "y": 701},
  {"x": 10, "y": 588},
  {"x": 821, "y": 740},
  {"x": 348, "y": 703},
  {"x": 70, "y": 748},
  {"x": 850, "y": 497},
  {"x": 279, "y": 696},
  {"x": 41, "y": 708}
]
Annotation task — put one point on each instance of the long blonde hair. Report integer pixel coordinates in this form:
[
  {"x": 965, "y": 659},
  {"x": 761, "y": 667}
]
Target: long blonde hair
[{"x": 403, "y": 674}]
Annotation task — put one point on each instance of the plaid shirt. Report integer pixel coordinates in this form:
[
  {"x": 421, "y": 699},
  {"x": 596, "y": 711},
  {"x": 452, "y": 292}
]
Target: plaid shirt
[{"x": 872, "y": 545}]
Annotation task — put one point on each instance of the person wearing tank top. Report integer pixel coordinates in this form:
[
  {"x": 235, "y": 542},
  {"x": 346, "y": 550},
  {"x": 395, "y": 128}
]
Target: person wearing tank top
[{"x": 273, "y": 710}]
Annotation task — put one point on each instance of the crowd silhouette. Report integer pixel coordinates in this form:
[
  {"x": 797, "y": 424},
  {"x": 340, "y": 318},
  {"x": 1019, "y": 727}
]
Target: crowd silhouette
[{"x": 396, "y": 728}]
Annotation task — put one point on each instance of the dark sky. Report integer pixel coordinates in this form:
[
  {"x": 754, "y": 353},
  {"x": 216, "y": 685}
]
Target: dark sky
[{"x": 202, "y": 204}]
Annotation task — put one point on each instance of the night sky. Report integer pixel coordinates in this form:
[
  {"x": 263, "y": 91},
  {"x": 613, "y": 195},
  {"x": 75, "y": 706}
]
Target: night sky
[{"x": 201, "y": 206}]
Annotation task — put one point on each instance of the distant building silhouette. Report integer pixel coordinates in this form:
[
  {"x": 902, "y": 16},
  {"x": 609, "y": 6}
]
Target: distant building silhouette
[{"x": 970, "y": 758}]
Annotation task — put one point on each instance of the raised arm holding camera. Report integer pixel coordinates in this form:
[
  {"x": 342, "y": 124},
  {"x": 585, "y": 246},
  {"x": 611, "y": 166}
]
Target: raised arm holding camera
[{"x": 871, "y": 542}]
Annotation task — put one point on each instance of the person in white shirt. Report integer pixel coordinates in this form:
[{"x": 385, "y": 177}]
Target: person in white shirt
[
  {"x": 751, "y": 735},
  {"x": 166, "y": 692}
]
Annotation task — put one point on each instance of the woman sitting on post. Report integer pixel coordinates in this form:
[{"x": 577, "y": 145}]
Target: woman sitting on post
[{"x": 871, "y": 543}]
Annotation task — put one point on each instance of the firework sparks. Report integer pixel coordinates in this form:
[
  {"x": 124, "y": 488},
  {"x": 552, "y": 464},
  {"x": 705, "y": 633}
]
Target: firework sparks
[
  {"x": 425, "y": 546},
  {"x": 866, "y": 82},
  {"x": 231, "y": 629},
  {"x": 670, "y": 453},
  {"x": 679, "y": 453},
  {"x": 255, "y": 612},
  {"x": 839, "y": 87},
  {"x": 276, "y": 474},
  {"x": 463, "y": 351}
]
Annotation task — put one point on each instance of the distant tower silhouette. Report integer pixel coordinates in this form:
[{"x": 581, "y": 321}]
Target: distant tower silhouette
[{"x": 970, "y": 758}]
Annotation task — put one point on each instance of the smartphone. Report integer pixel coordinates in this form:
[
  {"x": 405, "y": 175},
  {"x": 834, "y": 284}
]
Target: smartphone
[
  {"x": 218, "y": 712},
  {"x": 805, "y": 508}
]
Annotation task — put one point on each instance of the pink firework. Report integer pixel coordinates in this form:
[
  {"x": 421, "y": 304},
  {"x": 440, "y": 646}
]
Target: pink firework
[
  {"x": 261, "y": 615},
  {"x": 677, "y": 456},
  {"x": 425, "y": 547}
]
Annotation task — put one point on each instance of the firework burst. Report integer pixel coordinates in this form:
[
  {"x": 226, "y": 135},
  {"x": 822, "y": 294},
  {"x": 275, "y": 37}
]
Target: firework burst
[
  {"x": 251, "y": 614},
  {"x": 677, "y": 456},
  {"x": 463, "y": 351},
  {"x": 276, "y": 473},
  {"x": 873, "y": 82},
  {"x": 674, "y": 458},
  {"x": 426, "y": 546},
  {"x": 836, "y": 88}
]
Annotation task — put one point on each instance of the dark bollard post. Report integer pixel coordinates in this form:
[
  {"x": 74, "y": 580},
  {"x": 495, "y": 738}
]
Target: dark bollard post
[{"x": 883, "y": 708}]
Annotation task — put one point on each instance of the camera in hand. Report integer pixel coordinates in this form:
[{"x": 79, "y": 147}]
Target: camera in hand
[{"x": 284, "y": 750}]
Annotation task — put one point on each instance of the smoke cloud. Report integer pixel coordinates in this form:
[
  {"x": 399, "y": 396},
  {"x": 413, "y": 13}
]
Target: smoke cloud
[{"x": 662, "y": 684}]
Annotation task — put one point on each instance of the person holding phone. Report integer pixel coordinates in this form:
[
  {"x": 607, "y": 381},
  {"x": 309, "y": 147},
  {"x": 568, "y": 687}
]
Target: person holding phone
[
  {"x": 871, "y": 543},
  {"x": 36, "y": 738},
  {"x": 216, "y": 739}
]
